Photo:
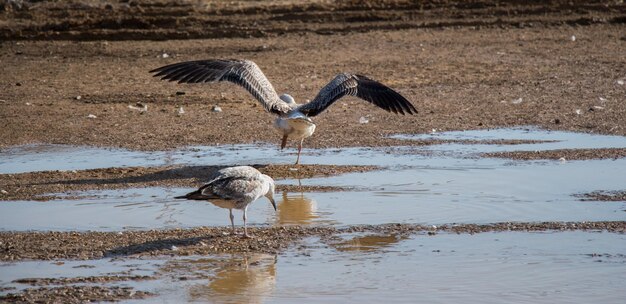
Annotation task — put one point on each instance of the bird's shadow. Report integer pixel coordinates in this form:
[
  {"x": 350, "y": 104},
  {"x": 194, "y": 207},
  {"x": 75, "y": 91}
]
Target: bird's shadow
[
  {"x": 156, "y": 246},
  {"x": 199, "y": 173}
]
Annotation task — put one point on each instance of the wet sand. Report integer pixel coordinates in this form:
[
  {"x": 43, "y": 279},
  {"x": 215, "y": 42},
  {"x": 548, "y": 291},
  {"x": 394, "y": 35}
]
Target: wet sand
[
  {"x": 608, "y": 196},
  {"x": 463, "y": 67},
  {"x": 72, "y": 69},
  {"x": 74, "y": 294},
  {"x": 16, "y": 246},
  {"x": 48, "y": 185},
  {"x": 561, "y": 154}
]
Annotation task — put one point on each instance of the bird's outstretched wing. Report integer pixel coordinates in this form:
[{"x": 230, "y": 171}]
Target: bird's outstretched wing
[
  {"x": 362, "y": 87},
  {"x": 242, "y": 72}
]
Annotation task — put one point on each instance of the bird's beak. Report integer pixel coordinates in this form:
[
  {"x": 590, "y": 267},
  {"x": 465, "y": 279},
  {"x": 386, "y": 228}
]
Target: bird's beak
[
  {"x": 273, "y": 203},
  {"x": 284, "y": 142}
]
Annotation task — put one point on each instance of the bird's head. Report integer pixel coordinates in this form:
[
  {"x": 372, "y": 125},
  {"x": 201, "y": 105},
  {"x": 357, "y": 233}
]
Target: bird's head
[
  {"x": 270, "y": 190},
  {"x": 288, "y": 99}
]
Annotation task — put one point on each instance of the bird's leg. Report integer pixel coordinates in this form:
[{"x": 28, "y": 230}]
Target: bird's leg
[
  {"x": 299, "y": 150},
  {"x": 245, "y": 229},
  {"x": 232, "y": 217},
  {"x": 284, "y": 142}
]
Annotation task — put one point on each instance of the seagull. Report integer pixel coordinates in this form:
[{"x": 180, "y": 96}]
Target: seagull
[
  {"x": 235, "y": 188},
  {"x": 294, "y": 120}
]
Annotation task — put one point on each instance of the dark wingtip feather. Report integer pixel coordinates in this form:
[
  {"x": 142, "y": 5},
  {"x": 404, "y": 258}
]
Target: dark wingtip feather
[{"x": 196, "y": 195}]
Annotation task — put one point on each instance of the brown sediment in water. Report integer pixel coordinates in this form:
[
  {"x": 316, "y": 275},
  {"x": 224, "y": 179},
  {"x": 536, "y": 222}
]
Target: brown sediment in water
[
  {"x": 75, "y": 294},
  {"x": 16, "y": 246},
  {"x": 74, "y": 280},
  {"x": 47, "y": 185},
  {"x": 609, "y": 196},
  {"x": 561, "y": 154}
]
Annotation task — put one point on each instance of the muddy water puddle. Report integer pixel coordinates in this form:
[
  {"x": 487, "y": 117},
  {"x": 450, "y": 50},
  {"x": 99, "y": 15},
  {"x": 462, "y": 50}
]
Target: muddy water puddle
[
  {"x": 444, "y": 183},
  {"x": 426, "y": 185},
  {"x": 541, "y": 140},
  {"x": 512, "y": 267}
]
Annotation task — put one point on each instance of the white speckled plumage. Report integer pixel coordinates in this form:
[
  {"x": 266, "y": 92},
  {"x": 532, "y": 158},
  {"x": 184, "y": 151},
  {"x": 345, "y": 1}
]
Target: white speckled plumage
[
  {"x": 235, "y": 188},
  {"x": 294, "y": 120}
]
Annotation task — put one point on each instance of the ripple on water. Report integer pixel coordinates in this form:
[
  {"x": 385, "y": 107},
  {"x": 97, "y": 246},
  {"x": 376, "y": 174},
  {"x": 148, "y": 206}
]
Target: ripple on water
[
  {"x": 512, "y": 267},
  {"x": 415, "y": 187}
]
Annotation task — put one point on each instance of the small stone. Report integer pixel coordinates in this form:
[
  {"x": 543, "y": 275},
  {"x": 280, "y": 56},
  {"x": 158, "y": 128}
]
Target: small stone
[
  {"x": 165, "y": 55},
  {"x": 573, "y": 38},
  {"x": 181, "y": 111},
  {"x": 363, "y": 120},
  {"x": 92, "y": 116},
  {"x": 620, "y": 82},
  {"x": 179, "y": 93},
  {"x": 517, "y": 101},
  {"x": 139, "y": 107},
  {"x": 4, "y": 191},
  {"x": 78, "y": 97},
  {"x": 29, "y": 104},
  {"x": 293, "y": 169},
  {"x": 174, "y": 248},
  {"x": 216, "y": 109},
  {"x": 579, "y": 111},
  {"x": 562, "y": 159},
  {"x": 598, "y": 107},
  {"x": 602, "y": 99}
]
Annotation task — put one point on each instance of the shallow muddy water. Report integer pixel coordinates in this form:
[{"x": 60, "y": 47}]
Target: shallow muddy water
[
  {"x": 512, "y": 267},
  {"x": 427, "y": 185},
  {"x": 431, "y": 185}
]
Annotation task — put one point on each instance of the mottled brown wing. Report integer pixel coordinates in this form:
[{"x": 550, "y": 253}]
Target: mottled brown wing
[{"x": 244, "y": 73}]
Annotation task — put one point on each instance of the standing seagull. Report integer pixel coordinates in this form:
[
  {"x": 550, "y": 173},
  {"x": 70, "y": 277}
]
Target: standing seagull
[
  {"x": 293, "y": 119},
  {"x": 235, "y": 188}
]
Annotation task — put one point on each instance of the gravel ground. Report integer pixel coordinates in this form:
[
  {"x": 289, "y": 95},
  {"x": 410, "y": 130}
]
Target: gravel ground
[
  {"x": 481, "y": 65},
  {"x": 73, "y": 70},
  {"x": 49, "y": 185},
  {"x": 561, "y": 154},
  {"x": 609, "y": 196},
  {"x": 74, "y": 294},
  {"x": 16, "y": 246}
]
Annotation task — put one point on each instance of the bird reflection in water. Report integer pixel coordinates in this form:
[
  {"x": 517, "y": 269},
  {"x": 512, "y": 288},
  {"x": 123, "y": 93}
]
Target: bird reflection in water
[
  {"x": 244, "y": 279},
  {"x": 296, "y": 210},
  {"x": 368, "y": 242}
]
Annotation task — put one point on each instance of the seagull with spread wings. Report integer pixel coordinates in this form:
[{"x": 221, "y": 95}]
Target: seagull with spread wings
[{"x": 293, "y": 119}]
